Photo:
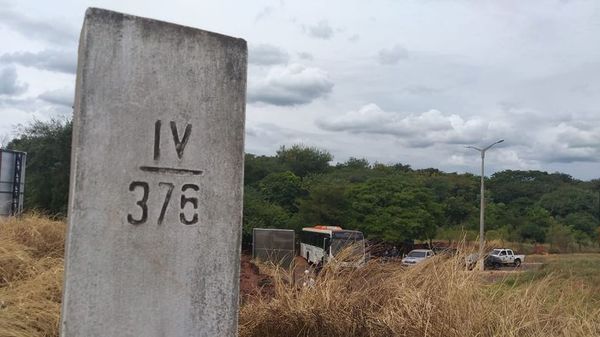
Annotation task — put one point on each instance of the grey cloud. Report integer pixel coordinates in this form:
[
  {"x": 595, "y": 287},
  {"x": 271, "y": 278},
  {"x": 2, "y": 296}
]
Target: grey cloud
[
  {"x": 265, "y": 12},
  {"x": 568, "y": 142},
  {"x": 266, "y": 138},
  {"x": 321, "y": 30},
  {"x": 51, "y": 31},
  {"x": 59, "y": 97},
  {"x": 294, "y": 84},
  {"x": 8, "y": 82},
  {"x": 550, "y": 138},
  {"x": 368, "y": 119},
  {"x": 530, "y": 141},
  {"x": 416, "y": 130},
  {"x": 566, "y": 90},
  {"x": 563, "y": 153},
  {"x": 305, "y": 56},
  {"x": 354, "y": 38},
  {"x": 25, "y": 104},
  {"x": 49, "y": 59},
  {"x": 393, "y": 55},
  {"x": 32, "y": 107},
  {"x": 266, "y": 55},
  {"x": 422, "y": 90},
  {"x": 570, "y": 157}
]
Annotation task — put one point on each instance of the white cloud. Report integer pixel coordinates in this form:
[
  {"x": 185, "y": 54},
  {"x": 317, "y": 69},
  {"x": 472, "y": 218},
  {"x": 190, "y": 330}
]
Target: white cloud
[
  {"x": 294, "y": 84},
  {"x": 264, "y": 13},
  {"x": 305, "y": 56},
  {"x": 266, "y": 54},
  {"x": 417, "y": 130},
  {"x": 62, "y": 97},
  {"x": 321, "y": 30},
  {"x": 53, "y": 31},
  {"x": 266, "y": 138},
  {"x": 8, "y": 82},
  {"x": 567, "y": 143},
  {"x": 64, "y": 61},
  {"x": 354, "y": 38},
  {"x": 393, "y": 55},
  {"x": 540, "y": 141}
]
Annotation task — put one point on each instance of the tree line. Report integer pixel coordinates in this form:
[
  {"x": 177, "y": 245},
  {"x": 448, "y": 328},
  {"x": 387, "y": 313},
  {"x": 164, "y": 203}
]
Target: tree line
[{"x": 298, "y": 186}]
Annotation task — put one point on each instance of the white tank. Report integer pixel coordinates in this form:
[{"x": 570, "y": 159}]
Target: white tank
[{"x": 12, "y": 181}]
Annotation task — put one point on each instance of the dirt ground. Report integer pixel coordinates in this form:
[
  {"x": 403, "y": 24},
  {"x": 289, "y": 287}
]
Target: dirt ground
[
  {"x": 255, "y": 283},
  {"x": 252, "y": 282}
]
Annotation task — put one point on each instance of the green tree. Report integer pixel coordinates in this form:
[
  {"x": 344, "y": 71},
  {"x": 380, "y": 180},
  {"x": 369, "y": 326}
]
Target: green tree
[
  {"x": 521, "y": 189},
  {"x": 402, "y": 167},
  {"x": 582, "y": 239},
  {"x": 282, "y": 189},
  {"x": 583, "y": 222},
  {"x": 304, "y": 160},
  {"x": 48, "y": 147},
  {"x": 498, "y": 215},
  {"x": 355, "y": 163},
  {"x": 457, "y": 211},
  {"x": 502, "y": 234},
  {"x": 569, "y": 199},
  {"x": 326, "y": 204},
  {"x": 259, "y": 213},
  {"x": 258, "y": 167},
  {"x": 537, "y": 221},
  {"x": 394, "y": 210},
  {"x": 530, "y": 232},
  {"x": 560, "y": 237},
  {"x": 458, "y": 195}
]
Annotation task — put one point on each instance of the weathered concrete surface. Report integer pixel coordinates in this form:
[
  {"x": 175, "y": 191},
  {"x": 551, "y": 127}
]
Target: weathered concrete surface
[{"x": 155, "y": 209}]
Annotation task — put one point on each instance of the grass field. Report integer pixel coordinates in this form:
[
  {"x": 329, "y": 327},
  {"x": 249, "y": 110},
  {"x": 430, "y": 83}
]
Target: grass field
[{"x": 437, "y": 298}]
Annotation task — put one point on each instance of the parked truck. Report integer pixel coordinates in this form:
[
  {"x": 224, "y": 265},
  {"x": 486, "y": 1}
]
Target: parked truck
[{"x": 503, "y": 257}]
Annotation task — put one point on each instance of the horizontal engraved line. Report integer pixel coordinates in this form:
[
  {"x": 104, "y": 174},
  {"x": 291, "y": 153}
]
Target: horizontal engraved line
[{"x": 158, "y": 169}]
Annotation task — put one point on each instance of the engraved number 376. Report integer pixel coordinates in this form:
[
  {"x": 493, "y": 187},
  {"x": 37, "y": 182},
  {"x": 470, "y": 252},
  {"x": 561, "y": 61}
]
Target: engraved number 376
[{"x": 142, "y": 204}]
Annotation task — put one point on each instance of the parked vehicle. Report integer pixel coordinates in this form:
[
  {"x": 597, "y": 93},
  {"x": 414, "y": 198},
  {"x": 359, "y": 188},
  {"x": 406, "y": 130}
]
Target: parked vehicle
[
  {"x": 503, "y": 257},
  {"x": 320, "y": 244},
  {"x": 416, "y": 256}
]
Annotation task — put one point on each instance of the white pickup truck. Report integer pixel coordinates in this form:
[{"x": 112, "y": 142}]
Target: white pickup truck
[{"x": 503, "y": 257}]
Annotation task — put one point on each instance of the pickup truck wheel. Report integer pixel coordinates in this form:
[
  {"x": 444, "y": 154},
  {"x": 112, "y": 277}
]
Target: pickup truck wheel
[
  {"x": 517, "y": 262},
  {"x": 497, "y": 265}
]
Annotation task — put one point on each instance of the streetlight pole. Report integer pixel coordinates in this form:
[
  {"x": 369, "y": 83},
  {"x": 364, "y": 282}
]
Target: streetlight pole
[{"x": 482, "y": 202}]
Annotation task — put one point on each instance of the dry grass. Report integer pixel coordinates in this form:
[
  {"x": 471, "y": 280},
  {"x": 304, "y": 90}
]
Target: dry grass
[
  {"x": 31, "y": 271},
  {"x": 437, "y": 298}
]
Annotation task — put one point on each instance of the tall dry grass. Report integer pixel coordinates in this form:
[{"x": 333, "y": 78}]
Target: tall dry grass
[
  {"x": 31, "y": 271},
  {"x": 436, "y": 298}
]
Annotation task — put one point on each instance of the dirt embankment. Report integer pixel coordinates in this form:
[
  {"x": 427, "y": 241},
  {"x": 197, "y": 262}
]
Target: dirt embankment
[
  {"x": 257, "y": 283},
  {"x": 252, "y": 282}
]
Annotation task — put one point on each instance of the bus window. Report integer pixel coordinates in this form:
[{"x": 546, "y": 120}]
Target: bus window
[{"x": 346, "y": 239}]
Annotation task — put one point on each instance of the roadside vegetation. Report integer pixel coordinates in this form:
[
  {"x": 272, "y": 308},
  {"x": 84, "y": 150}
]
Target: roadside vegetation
[
  {"x": 435, "y": 298},
  {"x": 31, "y": 273}
]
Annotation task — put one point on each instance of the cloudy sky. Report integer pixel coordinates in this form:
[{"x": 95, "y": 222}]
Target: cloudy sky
[{"x": 391, "y": 81}]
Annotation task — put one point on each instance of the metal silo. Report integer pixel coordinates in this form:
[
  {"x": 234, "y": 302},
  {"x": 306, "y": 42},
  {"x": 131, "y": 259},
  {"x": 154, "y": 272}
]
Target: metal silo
[{"x": 12, "y": 181}]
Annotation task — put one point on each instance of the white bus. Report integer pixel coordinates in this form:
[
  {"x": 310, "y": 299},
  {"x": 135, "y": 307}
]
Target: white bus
[{"x": 320, "y": 244}]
